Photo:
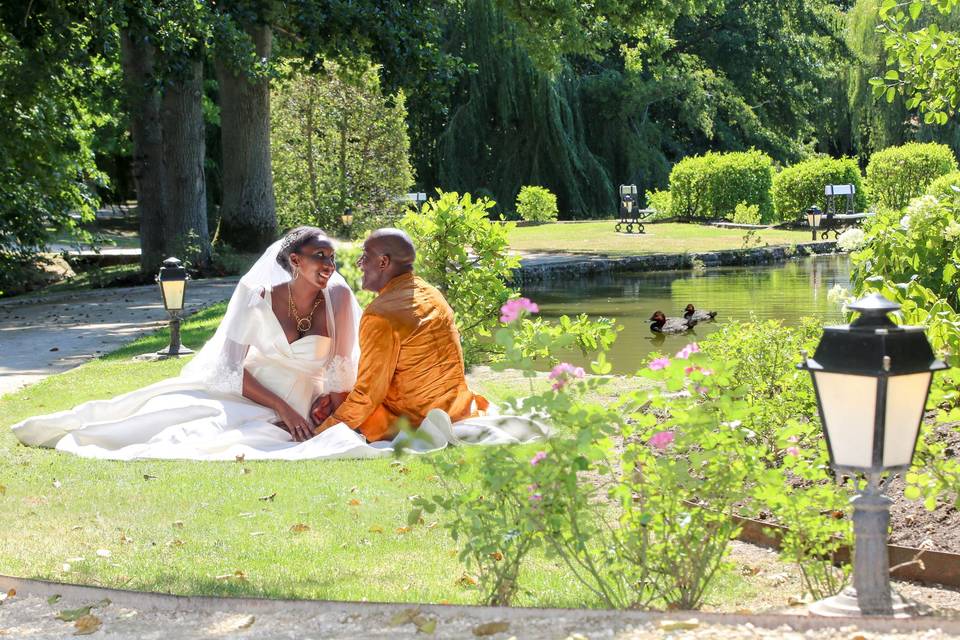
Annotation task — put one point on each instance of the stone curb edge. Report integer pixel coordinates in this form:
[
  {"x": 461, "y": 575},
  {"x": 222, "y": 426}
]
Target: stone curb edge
[{"x": 614, "y": 618}]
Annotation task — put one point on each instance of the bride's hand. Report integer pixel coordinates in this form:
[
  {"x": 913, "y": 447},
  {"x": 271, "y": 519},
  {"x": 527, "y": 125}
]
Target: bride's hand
[{"x": 296, "y": 425}]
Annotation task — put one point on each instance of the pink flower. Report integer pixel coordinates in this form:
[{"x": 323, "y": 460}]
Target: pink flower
[
  {"x": 792, "y": 451},
  {"x": 535, "y": 497},
  {"x": 702, "y": 389},
  {"x": 512, "y": 309},
  {"x": 793, "y": 439},
  {"x": 538, "y": 457},
  {"x": 661, "y": 440},
  {"x": 659, "y": 363},
  {"x": 533, "y": 489},
  {"x": 564, "y": 373},
  {"x": 685, "y": 353}
]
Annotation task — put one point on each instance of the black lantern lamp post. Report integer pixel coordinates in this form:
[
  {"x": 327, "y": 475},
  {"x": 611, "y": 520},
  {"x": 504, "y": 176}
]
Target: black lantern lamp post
[
  {"x": 814, "y": 216},
  {"x": 872, "y": 379},
  {"x": 173, "y": 285}
]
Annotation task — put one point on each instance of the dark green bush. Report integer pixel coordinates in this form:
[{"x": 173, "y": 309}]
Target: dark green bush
[
  {"x": 897, "y": 174},
  {"x": 798, "y": 187},
  {"x": 712, "y": 185}
]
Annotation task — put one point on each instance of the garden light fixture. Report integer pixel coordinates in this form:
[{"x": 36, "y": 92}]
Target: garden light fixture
[
  {"x": 173, "y": 285},
  {"x": 628, "y": 196},
  {"x": 347, "y": 217},
  {"x": 814, "y": 216},
  {"x": 871, "y": 379}
]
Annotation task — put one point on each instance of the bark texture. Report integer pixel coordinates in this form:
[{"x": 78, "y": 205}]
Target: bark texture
[
  {"x": 185, "y": 225},
  {"x": 248, "y": 219},
  {"x": 138, "y": 58}
]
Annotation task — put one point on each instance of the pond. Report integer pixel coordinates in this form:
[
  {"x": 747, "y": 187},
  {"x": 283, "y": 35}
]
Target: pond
[{"x": 786, "y": 291}]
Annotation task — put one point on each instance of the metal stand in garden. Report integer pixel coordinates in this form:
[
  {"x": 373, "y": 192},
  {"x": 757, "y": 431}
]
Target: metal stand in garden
[
  {"x": 175, "y": 349},
  {"x": 870, "y": 594}
]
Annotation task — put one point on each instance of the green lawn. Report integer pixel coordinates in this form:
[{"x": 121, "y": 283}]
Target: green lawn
[
  {"x": 311, "y": 529},
  {"x": 600, "y": 237}
]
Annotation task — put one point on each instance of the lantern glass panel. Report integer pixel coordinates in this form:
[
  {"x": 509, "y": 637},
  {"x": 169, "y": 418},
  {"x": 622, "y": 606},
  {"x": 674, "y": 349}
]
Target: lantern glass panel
[
  {"x": 906, "y": 398},
  {"x": 173, "y": 294},
  {"x": 850, "y": 424}
]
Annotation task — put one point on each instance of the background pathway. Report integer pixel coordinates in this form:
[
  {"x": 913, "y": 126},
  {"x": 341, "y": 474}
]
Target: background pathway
[{"x": 45, "y": 334}]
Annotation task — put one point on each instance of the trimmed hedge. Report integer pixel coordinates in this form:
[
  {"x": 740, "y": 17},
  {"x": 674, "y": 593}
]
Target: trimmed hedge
[
  {"x": 798, "y": 187},
  {"x": 537, "y": 204},
  {"x": 712, "y": 185},
  {"x": 942, "y": 187},
  {"x": 895, "y": 175}
]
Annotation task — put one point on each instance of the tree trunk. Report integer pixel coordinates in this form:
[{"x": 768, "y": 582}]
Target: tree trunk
[
  {"x": 248, "y": 217},
  {"x": 138, "y": 56},
  {"x": 185, "y": 224}
]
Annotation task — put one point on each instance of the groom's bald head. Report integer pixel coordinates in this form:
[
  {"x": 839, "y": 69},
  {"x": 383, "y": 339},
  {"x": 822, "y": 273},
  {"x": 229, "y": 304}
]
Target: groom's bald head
[{"x": 387, "y": 253}]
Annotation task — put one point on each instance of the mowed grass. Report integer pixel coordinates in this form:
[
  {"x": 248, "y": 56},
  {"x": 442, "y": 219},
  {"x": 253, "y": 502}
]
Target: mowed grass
[
  {"x": 311, "y": 529},
  {"x": 600, "y": 237}
]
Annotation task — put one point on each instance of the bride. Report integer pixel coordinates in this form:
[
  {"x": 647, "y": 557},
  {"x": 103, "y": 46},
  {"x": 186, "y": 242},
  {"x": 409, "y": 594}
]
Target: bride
[{"x": 288, "y": 338}]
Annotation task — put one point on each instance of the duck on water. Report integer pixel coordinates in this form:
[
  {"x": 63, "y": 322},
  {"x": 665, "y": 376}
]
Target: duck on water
[
  {"x": 660, "y": 323},
  {"x": 690, "y": 313}
]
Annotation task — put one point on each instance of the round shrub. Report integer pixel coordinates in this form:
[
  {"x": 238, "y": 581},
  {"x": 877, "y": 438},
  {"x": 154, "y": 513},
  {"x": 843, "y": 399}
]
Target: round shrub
[
  {"x": 800, "y": 186},
  {"x": 897, "y": 174},
  {"x": 746, "y": 214},
  {"x": 712, "y": 185},
  {"x": 537, "y": 204},
  {"x": 659, "y": 201},
  {"x": 945, "y": 186}
]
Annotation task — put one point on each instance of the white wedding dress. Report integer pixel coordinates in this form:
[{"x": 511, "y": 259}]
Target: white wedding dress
[{"x": 202, "y": 414}]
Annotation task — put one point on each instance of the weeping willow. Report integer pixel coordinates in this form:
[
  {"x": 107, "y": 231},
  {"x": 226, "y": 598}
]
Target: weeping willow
[{"x": 513, "y": 125}]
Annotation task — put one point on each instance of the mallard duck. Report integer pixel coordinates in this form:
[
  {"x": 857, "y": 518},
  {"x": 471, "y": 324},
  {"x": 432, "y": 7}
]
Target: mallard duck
[
  {"x": 699, "y": 316},
  {"x": 660, "y": 323}
]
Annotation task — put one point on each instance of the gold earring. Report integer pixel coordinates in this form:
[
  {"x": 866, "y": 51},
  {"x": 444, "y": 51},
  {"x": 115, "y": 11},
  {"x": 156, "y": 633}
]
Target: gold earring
[{"x": 296, "y": 272}]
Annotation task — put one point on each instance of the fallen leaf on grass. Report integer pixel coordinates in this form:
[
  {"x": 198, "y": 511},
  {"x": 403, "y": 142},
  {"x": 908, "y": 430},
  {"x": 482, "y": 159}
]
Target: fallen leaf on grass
[
  {"x": 490, "y": 628},
  {"x": 496, "y": 556},
  {"x": 72, "y": 615},
  {"x": 403, "y": 530},
  {"x": 176, "y": 542},
  {"x": 376, "y": 529},
  {"x": 87, "y": 625},
  {"x": 467, "y": 580},
  {"x": 354, "y": 502},
  {"x": 54, "y": 599},
  {"x": 178, "y": 524},
  {"x": 678, "y": 625},
  {"x": 269, "y": 497},
  {"x": 124, "y": 539},
  {"x": 299, "y": 528},
  {"x": 76, "y": 527},
  {"x": 3, "y": 490},
  {"x": 256, "y": 533},
  {"x": 236, "y": 575},
  {"x": 148, "y": 476}
]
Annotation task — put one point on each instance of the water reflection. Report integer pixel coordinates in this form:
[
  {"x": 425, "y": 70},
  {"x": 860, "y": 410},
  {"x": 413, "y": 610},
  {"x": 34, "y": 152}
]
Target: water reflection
[{"x": 787, "y": 291}]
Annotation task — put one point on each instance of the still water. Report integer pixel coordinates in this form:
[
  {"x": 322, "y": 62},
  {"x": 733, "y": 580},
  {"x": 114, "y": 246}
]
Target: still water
[{"x": 786, "y": 291}]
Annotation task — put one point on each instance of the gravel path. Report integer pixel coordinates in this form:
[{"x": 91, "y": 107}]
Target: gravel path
[{"x": 42, "y": 335}]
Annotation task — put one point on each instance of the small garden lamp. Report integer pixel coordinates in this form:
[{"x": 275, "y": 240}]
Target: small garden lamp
[
  {"x": 347, "y": 217},
  {"x": 871, "y": 379},
  {"x": 814, "y": 216},
  {"x": 173, "y": 285},
  {"x": 628, "y": 196}
]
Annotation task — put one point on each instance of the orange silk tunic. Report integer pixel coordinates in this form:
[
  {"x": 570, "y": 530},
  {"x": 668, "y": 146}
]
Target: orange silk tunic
[{"x": 410, "y": 362}]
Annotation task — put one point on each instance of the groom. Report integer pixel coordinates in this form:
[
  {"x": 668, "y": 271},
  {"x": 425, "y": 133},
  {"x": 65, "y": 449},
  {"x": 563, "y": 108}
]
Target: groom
[{"x": 410, "y": 356}]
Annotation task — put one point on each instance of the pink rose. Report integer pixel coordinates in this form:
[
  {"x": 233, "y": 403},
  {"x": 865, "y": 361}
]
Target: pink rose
[
  {"x": 564, "y": 373},
  {"x": 512, "y": 309},
  {"x": 685, "y": 353},
  {"x": 659, "y": 363},
  {"x": 661, "y": 440}
]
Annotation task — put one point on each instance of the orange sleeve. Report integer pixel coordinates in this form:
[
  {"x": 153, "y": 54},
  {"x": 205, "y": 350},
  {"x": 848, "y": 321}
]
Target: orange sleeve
[{"x": 379, "y": 350}]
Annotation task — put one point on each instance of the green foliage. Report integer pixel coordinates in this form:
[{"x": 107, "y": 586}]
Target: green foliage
[
  {"x": 800, "y": 186},
  {"x": 746, "y": 214},
  {"x": 538, "y": 339},
  {"x": 659, "y": 201},
  {"x": 897, "y": 174},
  {"x": 463, "y": 253},
  {"x": 536, "y": 204},
  {"x": 47, "y": 168},
  {"x": 945, "y": 186},
  {"x": 923, "y": 247},
  {"x": 927, "y": 56},
  {"x": 338, "y": 142},
  {"x": 712, "y": 185}
]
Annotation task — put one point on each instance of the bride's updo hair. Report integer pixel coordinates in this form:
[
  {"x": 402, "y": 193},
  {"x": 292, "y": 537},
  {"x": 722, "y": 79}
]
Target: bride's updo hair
[{"x": 294, "y": 240}]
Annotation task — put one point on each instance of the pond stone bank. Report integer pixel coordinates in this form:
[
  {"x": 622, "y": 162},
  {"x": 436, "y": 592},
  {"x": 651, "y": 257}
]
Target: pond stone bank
[{"x": 539, "y": 267}]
